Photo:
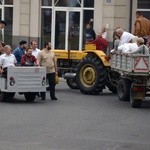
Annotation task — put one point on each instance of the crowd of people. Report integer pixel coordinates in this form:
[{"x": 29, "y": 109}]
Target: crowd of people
[
  {"x": 25, "y": 55},
  {"x": 123, "y": 41}
]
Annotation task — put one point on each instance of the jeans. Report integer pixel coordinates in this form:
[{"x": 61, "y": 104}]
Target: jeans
[{"x": 51, "y": 81}]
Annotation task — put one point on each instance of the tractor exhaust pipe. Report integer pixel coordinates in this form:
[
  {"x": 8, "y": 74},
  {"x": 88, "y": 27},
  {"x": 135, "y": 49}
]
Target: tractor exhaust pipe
[{"x": 69, "y": 75}]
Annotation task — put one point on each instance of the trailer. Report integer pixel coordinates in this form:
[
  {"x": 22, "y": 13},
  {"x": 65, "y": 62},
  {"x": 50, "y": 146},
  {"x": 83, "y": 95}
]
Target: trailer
[
  {"x": 134, "y": 83},
  {"x": 24, "y": 80}
]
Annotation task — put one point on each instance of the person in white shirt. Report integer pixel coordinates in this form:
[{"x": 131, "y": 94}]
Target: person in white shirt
[
  {"x": 129, "y": 47},
  {"x": 142, "y": 48},
  {"x": 122, "y": 37},
  {"x": 7, "y": 60},
  {"x": 35, "y": 50},
  {"x": 136, "y": 47},
  {"x": 125, "y": 37}
]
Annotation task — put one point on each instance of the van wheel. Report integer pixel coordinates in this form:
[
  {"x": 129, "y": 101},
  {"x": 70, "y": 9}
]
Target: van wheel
[
  {"x": 2, "y": 96},
  {"x": 6, "y": 96},
  {"x": 30, "y": 97}
]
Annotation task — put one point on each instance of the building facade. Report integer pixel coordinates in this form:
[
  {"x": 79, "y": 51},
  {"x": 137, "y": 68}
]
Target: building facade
[{"x": 63, "y": 21}]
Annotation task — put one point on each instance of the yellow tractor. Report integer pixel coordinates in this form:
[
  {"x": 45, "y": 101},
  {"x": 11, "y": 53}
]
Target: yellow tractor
[
  {"x": 67, "y": 63},
  {"x": 88, "y": 70}
]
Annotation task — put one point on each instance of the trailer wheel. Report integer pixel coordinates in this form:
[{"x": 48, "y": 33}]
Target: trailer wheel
[
  {"x": 72, "y": 83},
  {"x": 30, "y": 97},
  {"x": 123, "y": 89},
  {"x": 91, "y": 75},
  {"x": 113, "y": 79},
  {"x": 136, "y": 97},
  {"x": 112, "y": 88}
]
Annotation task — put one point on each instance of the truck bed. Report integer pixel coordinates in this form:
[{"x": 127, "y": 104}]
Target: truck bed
[{"x": 132, "y": 64}]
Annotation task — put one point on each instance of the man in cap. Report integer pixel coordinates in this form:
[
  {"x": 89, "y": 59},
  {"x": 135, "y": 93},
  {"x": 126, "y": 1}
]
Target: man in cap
[{"x": 2, "y": 26}]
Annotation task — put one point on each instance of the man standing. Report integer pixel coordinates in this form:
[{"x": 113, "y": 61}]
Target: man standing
[
  {"x": 19, "y": 51},
  {"x": 47, "y": 58},
  {"x": 35, "y": 50},
  {"x": 2, "y": 26},
  {"x": 141, "y": 26}
]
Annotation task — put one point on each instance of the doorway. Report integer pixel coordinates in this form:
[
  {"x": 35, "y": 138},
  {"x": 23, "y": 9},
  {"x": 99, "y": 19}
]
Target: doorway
[{"x": 67, "y": 29}]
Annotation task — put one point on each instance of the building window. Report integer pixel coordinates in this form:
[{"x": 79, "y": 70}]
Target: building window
[
  {"x": 68, "y": 3},
  {"x": 46, "y": 2},
  {"x": 46, "y": 25},
  {"x": 6, "y": 13},
  {"x": 89, "y": 3},
  {"x": 8, "y": 29},
  {"x": 63, "y": 22},
  {"x": 143, "y": 6},
  {"x": 8, "y": 2}
]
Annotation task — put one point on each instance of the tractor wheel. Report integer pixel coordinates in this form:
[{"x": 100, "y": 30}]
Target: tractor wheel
[
  {"x": 29, "y": 96},
  {"x": 123, "y": 89},
  {"x": 136, "y": 97},
  {"x": 72, "y": 83},
  {"x": 91, "y": 75}
]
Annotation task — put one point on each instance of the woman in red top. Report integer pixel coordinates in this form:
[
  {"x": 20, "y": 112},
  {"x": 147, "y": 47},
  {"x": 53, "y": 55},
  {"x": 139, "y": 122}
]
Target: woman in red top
[
  {"x": 100, "y": 42},
  {"x": 28, "y": 59}
]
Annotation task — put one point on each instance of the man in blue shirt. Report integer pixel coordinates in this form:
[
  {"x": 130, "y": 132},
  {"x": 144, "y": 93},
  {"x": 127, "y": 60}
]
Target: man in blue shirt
[{"x": 19, "y": 51}]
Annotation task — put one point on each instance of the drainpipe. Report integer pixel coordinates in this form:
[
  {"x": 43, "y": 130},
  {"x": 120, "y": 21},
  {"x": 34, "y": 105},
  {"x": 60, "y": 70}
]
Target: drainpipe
[{"x": 130, "y": 16}]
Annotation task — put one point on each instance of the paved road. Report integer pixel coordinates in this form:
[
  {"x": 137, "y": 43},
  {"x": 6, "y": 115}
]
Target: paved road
[{"x": 74, "y": 122}]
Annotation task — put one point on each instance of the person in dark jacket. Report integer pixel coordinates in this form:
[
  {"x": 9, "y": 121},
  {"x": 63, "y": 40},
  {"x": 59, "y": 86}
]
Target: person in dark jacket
[
  {"x": 89, "y": 33},
  {"x": 19, "y": 51}
]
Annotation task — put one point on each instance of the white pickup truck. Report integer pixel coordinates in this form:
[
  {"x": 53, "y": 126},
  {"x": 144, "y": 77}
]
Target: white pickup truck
[
  {"x": 24, "y": 80},
  {"x": 134, "y": 83}
]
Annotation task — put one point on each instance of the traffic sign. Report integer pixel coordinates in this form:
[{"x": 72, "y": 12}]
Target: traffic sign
[{"x": 141, "y": 64}]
